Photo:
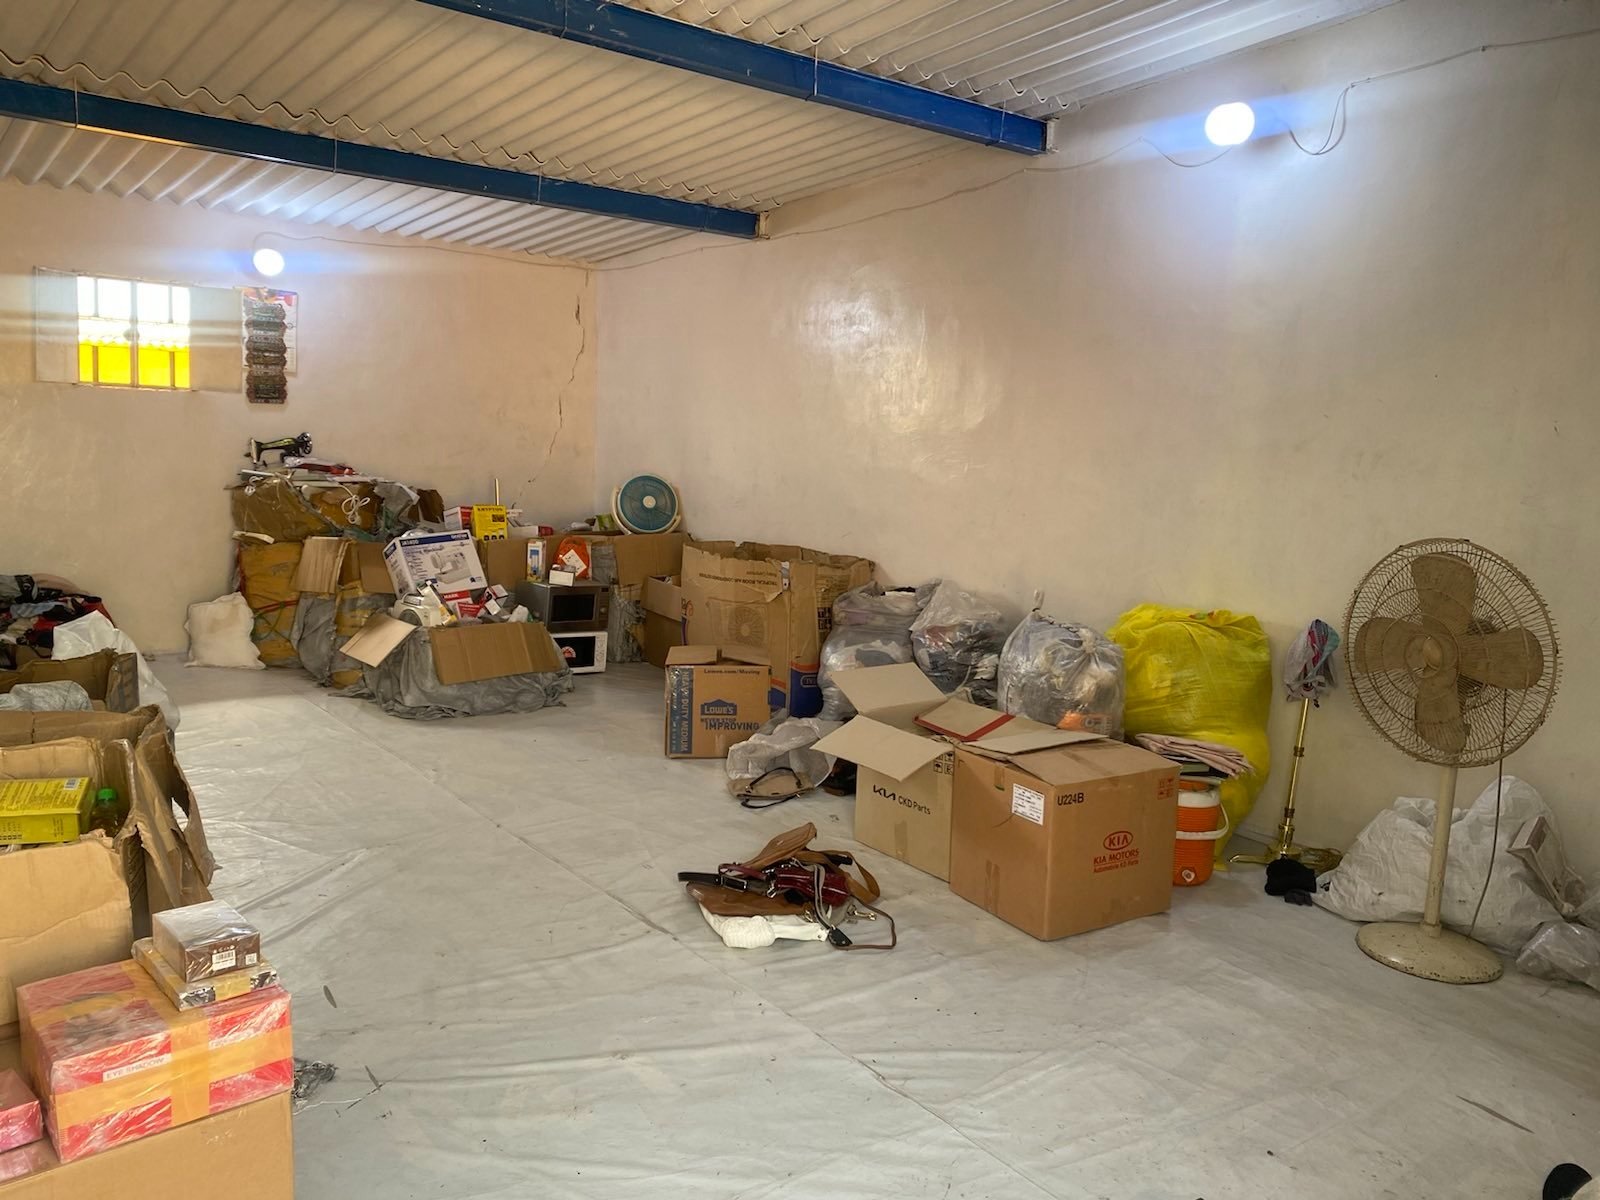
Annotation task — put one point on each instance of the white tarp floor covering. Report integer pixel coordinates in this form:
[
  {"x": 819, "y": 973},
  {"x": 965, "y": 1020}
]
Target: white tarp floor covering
[{"x": 481, "y": 927}]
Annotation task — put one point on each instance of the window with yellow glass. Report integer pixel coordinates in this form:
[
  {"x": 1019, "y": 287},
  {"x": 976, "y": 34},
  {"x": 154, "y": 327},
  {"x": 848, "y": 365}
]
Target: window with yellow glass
[{"x": 132, "y": 333}]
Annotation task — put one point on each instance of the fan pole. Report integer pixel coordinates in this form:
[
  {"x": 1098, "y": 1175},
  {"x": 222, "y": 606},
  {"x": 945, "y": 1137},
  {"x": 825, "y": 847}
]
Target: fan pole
[
  {"x": 1429, "y": 950},
  {"x": 1443, "y": 812}
]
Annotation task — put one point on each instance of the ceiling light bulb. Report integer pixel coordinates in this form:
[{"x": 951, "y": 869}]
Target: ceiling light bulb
[
  {"x": 1230, "y": 124},
  {"x": 269, "y": 262}
]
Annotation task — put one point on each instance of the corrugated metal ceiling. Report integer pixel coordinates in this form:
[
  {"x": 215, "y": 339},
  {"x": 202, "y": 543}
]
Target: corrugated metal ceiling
[{"x": 402, "y": 74}]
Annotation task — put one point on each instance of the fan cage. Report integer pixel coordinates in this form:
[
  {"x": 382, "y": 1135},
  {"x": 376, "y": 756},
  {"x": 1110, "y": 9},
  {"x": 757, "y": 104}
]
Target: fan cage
[{"x": 1499, "y": 720}]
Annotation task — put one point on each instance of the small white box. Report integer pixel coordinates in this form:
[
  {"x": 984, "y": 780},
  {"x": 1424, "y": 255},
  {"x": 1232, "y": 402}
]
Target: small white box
[
  {"x": 585, "y": 652},
  {"x": 449, "y": 559}
]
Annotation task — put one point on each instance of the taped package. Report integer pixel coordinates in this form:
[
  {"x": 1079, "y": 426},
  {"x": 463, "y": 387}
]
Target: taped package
[
  {"x": 202, "y": 941},
  {"x": 113, "y": 1061},
  {"x": 20, "y": 1120},
  {"x": 185, "y": 995}
]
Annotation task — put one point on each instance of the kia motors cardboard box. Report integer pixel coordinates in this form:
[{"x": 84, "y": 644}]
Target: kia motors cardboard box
[
  {"x": 903, "y": 744},
  {"x": 713, "y": 701},
  {"x": 247, "y": 1151},
  {"x": 775, "y": 601},
  {"x": 1065, "y": 839}
]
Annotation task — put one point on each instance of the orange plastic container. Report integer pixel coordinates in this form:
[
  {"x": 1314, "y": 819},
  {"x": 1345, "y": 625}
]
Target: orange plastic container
[{"x": 1202, "y": 823}]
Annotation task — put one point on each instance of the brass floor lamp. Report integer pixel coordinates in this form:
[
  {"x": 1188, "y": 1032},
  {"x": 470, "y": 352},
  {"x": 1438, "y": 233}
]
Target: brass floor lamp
[{"x": 1307, "y": 674}]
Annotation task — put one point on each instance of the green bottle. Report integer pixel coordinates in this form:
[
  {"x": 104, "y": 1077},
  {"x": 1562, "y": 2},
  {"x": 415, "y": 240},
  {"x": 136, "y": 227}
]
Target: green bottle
[{"x": 104, "y": 815}]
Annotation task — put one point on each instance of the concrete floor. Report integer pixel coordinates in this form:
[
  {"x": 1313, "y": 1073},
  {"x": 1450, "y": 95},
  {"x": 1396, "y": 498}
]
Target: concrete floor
[{"x": 480, "y": 924}]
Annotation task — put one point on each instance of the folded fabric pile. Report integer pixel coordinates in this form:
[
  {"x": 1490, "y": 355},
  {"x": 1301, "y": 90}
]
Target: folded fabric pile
[{"x": 30, "y": 609}]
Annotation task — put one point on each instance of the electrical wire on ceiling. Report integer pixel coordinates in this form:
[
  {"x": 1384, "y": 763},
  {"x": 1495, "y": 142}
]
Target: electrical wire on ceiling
[
  {"x": 1337, "y": 126},
  {"x": 376, "y": 133}
]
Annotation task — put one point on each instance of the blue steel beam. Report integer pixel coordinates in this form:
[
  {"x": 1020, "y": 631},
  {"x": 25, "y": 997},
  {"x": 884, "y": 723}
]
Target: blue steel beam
[
  {"x": 645, "y": 35},
  {"x": 127, "y": 118}
]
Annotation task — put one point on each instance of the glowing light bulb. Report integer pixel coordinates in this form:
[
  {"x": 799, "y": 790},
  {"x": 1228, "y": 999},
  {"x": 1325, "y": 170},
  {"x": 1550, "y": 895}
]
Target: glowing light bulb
[
  {"x": 1230, "y": 124},
  {"x": 267, "y": 261}
]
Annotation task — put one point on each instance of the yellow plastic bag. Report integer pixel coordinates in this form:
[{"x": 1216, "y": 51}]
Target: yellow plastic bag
[{"x": 1205, "y": 675}]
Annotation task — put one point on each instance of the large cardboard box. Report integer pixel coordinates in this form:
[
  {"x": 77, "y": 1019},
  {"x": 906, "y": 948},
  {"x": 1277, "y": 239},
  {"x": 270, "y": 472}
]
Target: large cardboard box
[
  {"x": 77, "y": 905},
  {"x": 464, "y": 653},
  {"x": 713, "y": 702},
  {"x": 449, "y": 559},
  {"x": 776, "y": 601},
  {"x": 902, "y": 741},
  {"x": 665, "y": 619},
  {"x": 1066, "y": 839},
  {"x": 250, "y": 1148},
  {"x": 111, "y": 679}
]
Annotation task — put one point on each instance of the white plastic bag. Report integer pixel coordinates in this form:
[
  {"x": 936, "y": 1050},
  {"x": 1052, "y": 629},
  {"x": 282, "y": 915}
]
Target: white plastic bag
[
  {"x": 94, "y": 632},
  {"x": 219, "y": 634},
  {"x": 1562, "y": 950},
  {"x": 1384, "y": 875}
]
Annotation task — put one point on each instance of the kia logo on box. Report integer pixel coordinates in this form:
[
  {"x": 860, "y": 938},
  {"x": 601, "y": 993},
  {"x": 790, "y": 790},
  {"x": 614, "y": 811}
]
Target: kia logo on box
[{"x": 1120, "y": 840}]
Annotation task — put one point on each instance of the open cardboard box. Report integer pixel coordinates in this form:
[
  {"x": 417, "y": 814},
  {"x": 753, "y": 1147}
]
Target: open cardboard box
[
  {"x": 111, "y": 679},
  {"x": 77, "y": 905},
  {"x": 665, "y": 617},
  {"x": 903, "y": 744},
  {"x": 464, "y": 653}
]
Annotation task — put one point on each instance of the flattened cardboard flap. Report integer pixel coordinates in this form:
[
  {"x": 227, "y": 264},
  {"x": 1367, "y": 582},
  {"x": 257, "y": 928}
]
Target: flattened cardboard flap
[
  {"x": 372, "y": 570},
  {"x": 879, "y": 747},
  {"x": 1089, "y": 758},
  {"x": 377, "y": 638},
  {"x": 321, "y": 561},
  {"x": 468, "y": 653},
  {"x": 963, "y": 721},
  {"x": 898, "y": 693},
  {"x": 691, "y": 656},
  {"x": 1012, "y": 741},
  {"x": 664, "y": 598}
]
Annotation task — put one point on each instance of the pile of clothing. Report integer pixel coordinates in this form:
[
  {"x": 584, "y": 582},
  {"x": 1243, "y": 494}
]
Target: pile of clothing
[{"x": 31, "y": 606}]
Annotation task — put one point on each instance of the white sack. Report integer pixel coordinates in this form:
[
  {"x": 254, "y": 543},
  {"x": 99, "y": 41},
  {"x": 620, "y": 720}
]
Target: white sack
[
  {"x": 93, "y": 632},
  {"x": 219, "y": 634}
]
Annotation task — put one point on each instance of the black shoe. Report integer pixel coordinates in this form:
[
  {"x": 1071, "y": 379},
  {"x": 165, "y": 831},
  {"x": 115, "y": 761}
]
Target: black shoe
[{"x": 1568, "y": 1182}]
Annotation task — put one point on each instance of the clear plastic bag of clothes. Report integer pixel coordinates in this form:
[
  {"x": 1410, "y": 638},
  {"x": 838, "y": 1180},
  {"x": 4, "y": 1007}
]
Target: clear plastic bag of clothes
[
  {"x": 871, "y": 628},
  {"x": 1062, "y": 674},
  {"x": 956, "y": 640},
  {"x": 781, "y": 747},
  {"x": 1565, "y": 951},
  {"x": 56, "y": 696}
]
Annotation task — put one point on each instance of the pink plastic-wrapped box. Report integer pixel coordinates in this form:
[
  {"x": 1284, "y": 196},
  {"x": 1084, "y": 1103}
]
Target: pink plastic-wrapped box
[{"x": 21, "y": 1120}]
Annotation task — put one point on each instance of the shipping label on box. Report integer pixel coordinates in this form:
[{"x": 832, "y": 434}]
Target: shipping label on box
[
  {"x": 1065, "y": 839},
  {"x": 449, "y": 560},
  {"x": 113, "y": 1061},
  {"x": 712, "y": 702}
]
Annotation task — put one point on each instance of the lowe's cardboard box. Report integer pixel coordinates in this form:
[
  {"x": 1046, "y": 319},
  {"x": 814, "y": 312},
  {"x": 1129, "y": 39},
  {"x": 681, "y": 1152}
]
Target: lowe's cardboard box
[
  {"x": 775, "y": 601},
  {"x": 903, "y": 744},
  {"x": 713, "y": 701},
  {"x": 1065, "y": 839}
]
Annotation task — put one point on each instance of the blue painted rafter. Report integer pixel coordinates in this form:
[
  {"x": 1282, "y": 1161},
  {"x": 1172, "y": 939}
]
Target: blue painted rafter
[
  {"x": 103, "y": 114},
  {"x": 645, "y": 35}
]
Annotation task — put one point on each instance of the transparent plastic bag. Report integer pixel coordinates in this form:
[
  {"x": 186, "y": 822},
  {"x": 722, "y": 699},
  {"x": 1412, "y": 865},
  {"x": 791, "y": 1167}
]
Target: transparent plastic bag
[
  {"x": 1205, "y": 675},
  {"x": 57, "y": 696},
  {"x": 1062, "y": 674},
  {"x": 1562, "y": 950},
  {"x": 956, "y": 640},
  {"x": 871, "y": 628},
  {"x": 783, "y": 743}
]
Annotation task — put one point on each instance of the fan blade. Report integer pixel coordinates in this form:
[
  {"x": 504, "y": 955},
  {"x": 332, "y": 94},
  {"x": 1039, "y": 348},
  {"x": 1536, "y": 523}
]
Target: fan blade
[
  {"x": 1446, "y": 586},
  {"x": 1512, "y": 658},
  {"x": 1438, "y": 714},
  {"x": 1387, "y": 644}
]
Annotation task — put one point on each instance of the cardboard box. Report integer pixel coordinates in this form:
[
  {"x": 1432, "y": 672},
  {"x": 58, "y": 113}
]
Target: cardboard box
[
  {"x": 775, "y": 601},
  {"x": 713, "y": 701},
  {"x": 485, "y": 522},
  {"x": 77, "y": 905},
  {"x": 186, "y": 995},
  {"x": 36, "y": 811},
  {"x": 202, "y": 941},
  {"x": 464, "y": 653},
  {"x": 21, "y": 1118},
  {"x": 1066, "y": 839},
  {"x": 448, "y": 559},
  {"x": 140, "y": 1066},
  {"x": 248, "y": 1152},
  {"x": 506, "y": 562},
  {"x": 110, "y": 678},
  {"x": 665, "y": 618},
  {"x": 903, "y": 744}
]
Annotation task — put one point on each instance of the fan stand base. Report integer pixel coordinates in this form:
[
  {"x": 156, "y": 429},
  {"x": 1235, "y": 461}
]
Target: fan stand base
[{"x": 1442, "y": 954}]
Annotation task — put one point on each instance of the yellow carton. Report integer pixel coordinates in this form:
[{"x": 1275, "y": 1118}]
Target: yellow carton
[
  {"x": 36, "y": 811},
  {"x": 489, "y": 522}
]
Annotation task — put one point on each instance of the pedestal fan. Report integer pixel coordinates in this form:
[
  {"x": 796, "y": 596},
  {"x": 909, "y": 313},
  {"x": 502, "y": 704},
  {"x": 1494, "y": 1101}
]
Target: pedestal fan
[{"x": 1452, "y": 656}]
